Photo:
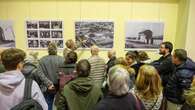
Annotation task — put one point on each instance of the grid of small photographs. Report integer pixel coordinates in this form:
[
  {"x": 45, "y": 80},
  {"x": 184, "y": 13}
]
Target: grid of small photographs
[{"x": 41, "y": 33}]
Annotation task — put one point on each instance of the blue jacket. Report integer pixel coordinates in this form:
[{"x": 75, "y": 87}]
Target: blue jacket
[{"x": 180, "y": 80}]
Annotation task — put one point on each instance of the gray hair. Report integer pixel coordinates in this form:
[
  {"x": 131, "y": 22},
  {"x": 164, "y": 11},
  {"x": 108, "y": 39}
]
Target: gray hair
[{"x": 118, "y": 79}]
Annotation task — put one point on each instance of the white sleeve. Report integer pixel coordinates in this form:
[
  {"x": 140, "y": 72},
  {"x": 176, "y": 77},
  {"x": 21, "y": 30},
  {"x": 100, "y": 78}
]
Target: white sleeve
[{"x": 38, "y": 96}]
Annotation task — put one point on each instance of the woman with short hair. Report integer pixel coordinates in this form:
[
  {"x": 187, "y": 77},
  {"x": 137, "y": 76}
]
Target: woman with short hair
[{"x": 118, "y": 97}]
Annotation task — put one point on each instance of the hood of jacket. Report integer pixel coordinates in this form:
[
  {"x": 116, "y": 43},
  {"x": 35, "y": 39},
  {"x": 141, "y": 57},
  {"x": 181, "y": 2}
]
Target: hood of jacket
[
  {"x": 10, "y": 80},
  {"x": 28, "y": 67},
  {"x": 81, "y": 85}
]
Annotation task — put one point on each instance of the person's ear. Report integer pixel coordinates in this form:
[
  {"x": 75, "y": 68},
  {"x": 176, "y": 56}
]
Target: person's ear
[{"x": 20, "y": 66}]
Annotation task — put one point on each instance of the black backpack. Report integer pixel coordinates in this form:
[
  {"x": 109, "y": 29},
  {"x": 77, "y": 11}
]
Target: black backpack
[{"x": 28, "y": 103}]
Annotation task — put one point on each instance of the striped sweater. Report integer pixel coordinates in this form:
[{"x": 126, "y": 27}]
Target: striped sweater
[{"x": 97, "y": 69}]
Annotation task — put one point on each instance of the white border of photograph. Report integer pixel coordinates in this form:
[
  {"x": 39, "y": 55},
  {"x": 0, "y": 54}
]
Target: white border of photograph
[
  {"x": 38, "y": 29},
  {"x": 94, "y": 20},
  {"x": 146, "y": 49}
]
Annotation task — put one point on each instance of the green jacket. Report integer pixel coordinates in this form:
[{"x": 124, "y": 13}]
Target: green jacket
[
  {"x": 79, "y": 94},
  {"x": 190, "y": 96},
  {"x": 2, "y": 68}
]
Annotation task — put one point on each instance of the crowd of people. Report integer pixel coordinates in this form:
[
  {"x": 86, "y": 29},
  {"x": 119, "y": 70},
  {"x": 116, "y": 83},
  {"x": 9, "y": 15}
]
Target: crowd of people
[{"x": 132, "y": 82}]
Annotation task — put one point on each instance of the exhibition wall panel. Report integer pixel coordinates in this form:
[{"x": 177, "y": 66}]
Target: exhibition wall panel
[{"x": 69, "y": 11}]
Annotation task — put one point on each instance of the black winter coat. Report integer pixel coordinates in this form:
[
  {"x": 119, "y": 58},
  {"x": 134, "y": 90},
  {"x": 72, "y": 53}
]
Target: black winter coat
[
  {"x": 124, "y": 102},
  {"x": 165, "y": 68},
  {"x": 180, "y": 80}
]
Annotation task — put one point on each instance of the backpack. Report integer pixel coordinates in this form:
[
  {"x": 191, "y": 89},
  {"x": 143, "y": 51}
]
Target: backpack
[
  {"x": 28, "y": 103},
  {"x": 29, "y": 75},
  {"x": 65, "y": 76}
]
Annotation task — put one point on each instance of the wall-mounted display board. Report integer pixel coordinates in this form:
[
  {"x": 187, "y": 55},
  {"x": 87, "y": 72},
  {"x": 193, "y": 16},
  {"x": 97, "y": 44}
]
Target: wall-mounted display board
[
  {"x": 143, "y": 34},
  {"x": 100, "y": 33},
  {"x": 7, "y": 36},
  {"x": 41, "y": 32}
]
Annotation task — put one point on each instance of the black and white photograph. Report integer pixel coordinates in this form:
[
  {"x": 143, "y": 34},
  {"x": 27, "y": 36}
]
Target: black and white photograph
[
  {"x": 44, "y": 34},
  {"x": 7, "y": 36},
  {"x": 144, "y": 35},
  {"x": 59, "y": 43},
  {"x": 44, "y": 43},
  {"x": 56, "y": 34},
  {"x": 100, "y": 33},
  {"x": 56, "y": 24},
  {"x": 32, "y": 24},
  {"x": 33, "y": 43},
  {"x": 44, "y": 24},
  {"x": 32, "y": 34}
]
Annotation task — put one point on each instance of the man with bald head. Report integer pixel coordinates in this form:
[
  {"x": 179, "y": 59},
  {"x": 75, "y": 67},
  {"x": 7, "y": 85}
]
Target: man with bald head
[
  {"x": 97, "y": 66},
  {"x": 112, "y": 59}
]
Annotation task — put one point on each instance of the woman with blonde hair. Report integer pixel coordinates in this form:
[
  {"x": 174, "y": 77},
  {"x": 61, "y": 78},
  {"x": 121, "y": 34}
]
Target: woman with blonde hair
[{"x": 148, "y": 87}]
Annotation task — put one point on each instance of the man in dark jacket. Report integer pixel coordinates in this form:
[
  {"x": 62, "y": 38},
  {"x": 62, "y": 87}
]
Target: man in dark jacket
[
  {"x": 49, "y": 65},
  {"x": 81, "y": 93},
  {"x": 180, "y": 80},
  {"x": 164, "y": 65},
  {"x": 112, "y": 59}
]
